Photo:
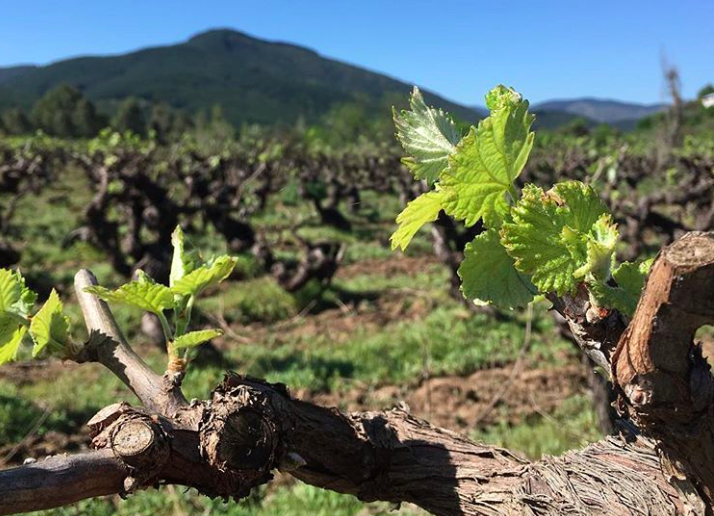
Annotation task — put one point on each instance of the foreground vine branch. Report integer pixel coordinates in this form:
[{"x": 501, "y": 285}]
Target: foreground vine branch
[{"x": 232, "y": 442}]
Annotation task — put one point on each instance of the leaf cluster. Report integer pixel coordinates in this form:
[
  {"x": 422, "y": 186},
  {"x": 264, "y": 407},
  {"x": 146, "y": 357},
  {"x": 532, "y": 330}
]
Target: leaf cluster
[{"x": 536, "y": 241}]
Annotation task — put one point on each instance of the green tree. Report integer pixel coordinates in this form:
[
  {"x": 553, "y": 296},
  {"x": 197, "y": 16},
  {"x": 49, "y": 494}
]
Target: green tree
[
  {"x": 130, "y": 117},
  {"x": 65, "y": 112},
  {"x": 14, "y": 121},
  {"x": 87, "y": 122},
  {"x": 168, "y": 123}
]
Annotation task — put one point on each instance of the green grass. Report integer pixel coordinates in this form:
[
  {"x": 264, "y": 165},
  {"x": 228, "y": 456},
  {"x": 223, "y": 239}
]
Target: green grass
[
  {"x": 257, "y": 300},
  {"x": 295, "y": 500},
  {"x": 450, "y": 339},
  {"x": 571, "y": 426}
]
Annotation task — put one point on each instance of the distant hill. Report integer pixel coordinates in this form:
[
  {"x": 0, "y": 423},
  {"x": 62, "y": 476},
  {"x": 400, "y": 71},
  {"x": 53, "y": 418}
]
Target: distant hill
[
  {"x": 253, "y": 80},
  {"x": 260, "y": 81},
  {"x": 602, "y": 111},
  {"x": 12, "y": 72}
]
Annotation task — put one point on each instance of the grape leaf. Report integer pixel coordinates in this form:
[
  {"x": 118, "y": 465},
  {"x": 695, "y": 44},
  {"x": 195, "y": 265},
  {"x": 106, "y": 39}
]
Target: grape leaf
[
  {"x": 427, "y": 135},
  {"x": 205, "y": 276},
  {"x": 10, "y": 291},
  {"x": 195, "y": 338},
  {"x": 600, "y": 249},
  {"x": 49, "y": 326},
  {"x": 181, "y": 263},
  {"x": 420, "y": 211},
  {"x": 630, "y": 278},
  {"x": 534, "y": 239},
  {"x": 560, "y": 236},
  {"x": 488, "y": 274},
  {"x": 488, "y": 160},
  {"x": 11, "y": 335},
  {"x": 579, "y": 204},
  {"x": 143, "y": 293},
  {"x": 24, "y": 306},
  {"x": 15, "y": 297}
]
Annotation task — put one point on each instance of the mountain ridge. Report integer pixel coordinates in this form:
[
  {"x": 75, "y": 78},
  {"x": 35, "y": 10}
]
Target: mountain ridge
[
  {"x": 601, "y": 110},
  {"x": 257, "y": 80},
  {"x": 252, "y": 79}
]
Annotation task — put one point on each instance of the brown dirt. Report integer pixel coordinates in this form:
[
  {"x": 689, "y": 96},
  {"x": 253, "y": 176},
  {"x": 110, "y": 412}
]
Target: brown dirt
[
  {"x": 397, "y": 265},
  {"x": 460, "y": 403}
]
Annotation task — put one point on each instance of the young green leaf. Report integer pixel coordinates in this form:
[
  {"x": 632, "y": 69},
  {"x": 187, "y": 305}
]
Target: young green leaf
[
  {"x": 630, "y": 278},
  {"x": 600, "y": 249},
  {"x": 49, "y": 326},
  {"x": 579, "y": 205},
  {"x": 427, "y": 135},
  {"x": 205, "y": 276},
  {"x": 488, "y": 274},
  {"x": 559, "y": 236},
  {"x": 420, "y": 211},
  {"x": 535, "y": 239},
  {"x": 182, "y": 263},
  {"x": 143, "y": 293},
  {"x": 15, "y": 297},
  {"x": 11, "y": 335},
  {"x": 10, "y": 291},
  {"x": 488, "y": 160},
  {"x": 195, "y": 338}
]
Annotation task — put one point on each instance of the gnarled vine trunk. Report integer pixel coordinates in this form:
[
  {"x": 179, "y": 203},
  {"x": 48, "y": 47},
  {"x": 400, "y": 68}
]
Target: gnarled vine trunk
[{"x": 228, "y": 444}]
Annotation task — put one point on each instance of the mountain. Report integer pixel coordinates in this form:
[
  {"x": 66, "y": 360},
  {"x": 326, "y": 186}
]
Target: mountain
[
  {"x": 253, "y": 80},
  {"x": 602, "y": 111},
  {"x": 11, "y": 72}
]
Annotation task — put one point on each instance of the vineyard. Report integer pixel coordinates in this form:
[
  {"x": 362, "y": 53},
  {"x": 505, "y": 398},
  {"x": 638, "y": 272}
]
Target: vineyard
[{"x": 283, "y": 256}]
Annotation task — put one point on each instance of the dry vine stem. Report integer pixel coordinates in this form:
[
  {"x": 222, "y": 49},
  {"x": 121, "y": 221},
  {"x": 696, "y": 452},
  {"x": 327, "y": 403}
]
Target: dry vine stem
[{"x": 230, "y": 443}]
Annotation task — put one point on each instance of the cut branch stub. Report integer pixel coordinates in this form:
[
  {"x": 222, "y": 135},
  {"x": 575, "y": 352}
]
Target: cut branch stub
[
  {"x": 239, "y": 435},
  {"x": 657, "y": 364}
]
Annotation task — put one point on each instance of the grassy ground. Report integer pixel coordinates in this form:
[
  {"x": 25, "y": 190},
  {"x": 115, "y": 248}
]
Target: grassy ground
[{"x": 385, "y": 331}]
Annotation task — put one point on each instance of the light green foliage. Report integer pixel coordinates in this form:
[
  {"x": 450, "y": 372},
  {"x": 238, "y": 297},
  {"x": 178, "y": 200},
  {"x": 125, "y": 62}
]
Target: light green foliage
[
  {"x": 559, "y": 236},
  {"x": 488, "y": 160},
  {"x": 418, "y": 212},
  {"x": 205, "y": 276},
  {"x": 142, "y": 293},
  {"x": 477, "y": 174},
  {"x": 488, "y": 273},
  {"x": 49, "y": 327},
  {"x": 182, "y": 262},
  {"x": 546, "y": 241},
  {"x": 195, "y": 338},
  {"x": 630, "y": 278},
  {"x": 600, "y": 243},
  {"x": 187, "y": 279},
  {"x": 428, "y": 136},
  {"x": 11, "y": 335},
  {"x": 9, "y": 289},
  {"x": 15, "y": 297}
]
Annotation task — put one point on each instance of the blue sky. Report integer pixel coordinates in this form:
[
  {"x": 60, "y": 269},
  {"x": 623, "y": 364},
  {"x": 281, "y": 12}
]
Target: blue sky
[{"x": 458, "y": 48}]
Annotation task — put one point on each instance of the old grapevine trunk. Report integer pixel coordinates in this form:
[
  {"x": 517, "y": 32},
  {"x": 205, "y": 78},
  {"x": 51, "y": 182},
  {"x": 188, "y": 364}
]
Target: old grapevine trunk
[{"x": 228, "y": 444}]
